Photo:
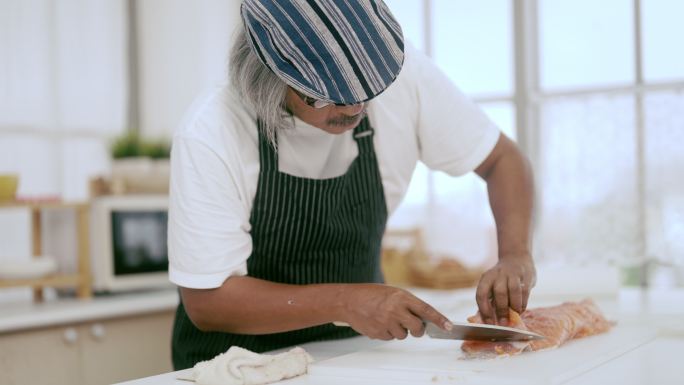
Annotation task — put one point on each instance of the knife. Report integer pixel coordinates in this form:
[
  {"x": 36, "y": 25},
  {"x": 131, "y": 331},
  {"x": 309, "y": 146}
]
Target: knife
[
  {"x": 481, "y": 332},
  {"x": 475, "y": 332}
]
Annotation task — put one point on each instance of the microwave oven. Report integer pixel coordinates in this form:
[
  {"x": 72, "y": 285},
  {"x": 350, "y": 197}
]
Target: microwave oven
[{"x": 128, "y": 245}]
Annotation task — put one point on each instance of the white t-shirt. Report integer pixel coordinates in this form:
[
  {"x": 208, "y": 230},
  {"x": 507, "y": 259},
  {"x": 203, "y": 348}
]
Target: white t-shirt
[{"x": 215, "y": 162}]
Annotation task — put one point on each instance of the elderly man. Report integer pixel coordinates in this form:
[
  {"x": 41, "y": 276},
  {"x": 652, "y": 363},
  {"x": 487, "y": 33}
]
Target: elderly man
[{"x": 282, "y": 182}]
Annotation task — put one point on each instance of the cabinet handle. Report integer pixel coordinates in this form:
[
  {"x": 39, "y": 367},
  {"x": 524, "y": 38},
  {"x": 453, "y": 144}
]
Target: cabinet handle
[
  {"x": 97, "y": 331},
  {"x": 70, "y": 336}
]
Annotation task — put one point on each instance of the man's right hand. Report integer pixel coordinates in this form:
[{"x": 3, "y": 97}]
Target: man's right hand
[{"x": 385, "y": 312}]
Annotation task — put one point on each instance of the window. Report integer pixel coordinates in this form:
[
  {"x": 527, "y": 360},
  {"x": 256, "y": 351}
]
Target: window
[
  {"x": 600, "y": 114},
  {"x": 585, "y": 44}
]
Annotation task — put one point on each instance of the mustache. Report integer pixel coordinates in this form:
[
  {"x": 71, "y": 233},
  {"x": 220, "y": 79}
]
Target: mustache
[{"x": 345, "y": 120}]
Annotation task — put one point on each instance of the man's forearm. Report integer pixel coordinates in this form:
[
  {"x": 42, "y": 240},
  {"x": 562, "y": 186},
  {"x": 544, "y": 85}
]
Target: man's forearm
[
  {"x": 511, "y": 195},
  {"x": 247, "y": 305}
]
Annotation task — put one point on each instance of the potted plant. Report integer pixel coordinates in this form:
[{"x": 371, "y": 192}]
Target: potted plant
[{"x": 140, "y": 165}]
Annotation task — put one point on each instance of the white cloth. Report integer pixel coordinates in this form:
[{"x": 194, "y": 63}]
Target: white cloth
[
  {"x": 215, "y": 162},
  {"x": 240, "y": 366}
]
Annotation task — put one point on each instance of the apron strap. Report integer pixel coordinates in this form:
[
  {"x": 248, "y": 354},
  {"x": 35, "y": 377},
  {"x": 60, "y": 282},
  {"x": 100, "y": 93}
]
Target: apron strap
[
  {"x": 363, "y": 136},
  {"x": 268, "y": 155}
]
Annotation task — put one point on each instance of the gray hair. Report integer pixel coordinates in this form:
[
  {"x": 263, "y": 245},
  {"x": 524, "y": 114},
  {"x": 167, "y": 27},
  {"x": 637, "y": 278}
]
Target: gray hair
[{"x": 258, "y": 87}]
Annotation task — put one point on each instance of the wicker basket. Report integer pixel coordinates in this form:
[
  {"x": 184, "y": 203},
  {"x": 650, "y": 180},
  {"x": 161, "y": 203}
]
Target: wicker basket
[
  {"x": 412, "y": 266},
  {"x": 448, "y": 273}
]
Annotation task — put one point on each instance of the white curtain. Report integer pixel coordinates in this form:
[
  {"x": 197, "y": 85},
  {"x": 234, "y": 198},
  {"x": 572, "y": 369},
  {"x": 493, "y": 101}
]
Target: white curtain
[
  {"x": 64, "y": 80},
  {"x": 64, "y": 93},
  {"x": 183, "y": 50},
  {"x": 63, "y": 89}
]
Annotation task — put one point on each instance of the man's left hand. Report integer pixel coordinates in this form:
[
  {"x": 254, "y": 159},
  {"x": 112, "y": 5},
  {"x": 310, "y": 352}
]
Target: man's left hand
[{"x": 505, "y": 285}]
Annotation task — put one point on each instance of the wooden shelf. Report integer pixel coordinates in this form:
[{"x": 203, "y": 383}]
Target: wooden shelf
[
  {"x": 82, "y": 279},
  {"x": 58, "y": 280},
  {"x": 38, "y": 205}
]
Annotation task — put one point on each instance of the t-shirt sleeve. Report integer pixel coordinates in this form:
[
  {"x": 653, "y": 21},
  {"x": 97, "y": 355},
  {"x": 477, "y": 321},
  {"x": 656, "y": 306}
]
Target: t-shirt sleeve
[
  {"x": 208, "y": 234},
  {"x": 454, "y": 134}
]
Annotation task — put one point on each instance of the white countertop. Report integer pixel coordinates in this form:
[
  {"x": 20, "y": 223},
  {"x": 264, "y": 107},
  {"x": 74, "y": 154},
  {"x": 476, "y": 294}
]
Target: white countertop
[
  {"x": 654, "y": 362},
  {"x": 22, "y": 316}
]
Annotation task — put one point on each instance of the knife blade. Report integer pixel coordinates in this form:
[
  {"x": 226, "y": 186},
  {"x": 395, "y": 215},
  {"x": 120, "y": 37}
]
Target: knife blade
[
  {"x": 475, "y": 332},
  {"x": 480, "y": 332}
]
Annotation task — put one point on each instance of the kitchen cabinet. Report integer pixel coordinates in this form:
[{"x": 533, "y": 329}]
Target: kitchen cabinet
[
  {"x": 92, "y": 353},
  {"x": 40, "y": 357}
]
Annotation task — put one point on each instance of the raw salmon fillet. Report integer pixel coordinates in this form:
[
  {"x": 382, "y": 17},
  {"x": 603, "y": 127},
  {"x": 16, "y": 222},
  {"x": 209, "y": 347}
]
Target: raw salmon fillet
[{"x": 558, "y": 324}]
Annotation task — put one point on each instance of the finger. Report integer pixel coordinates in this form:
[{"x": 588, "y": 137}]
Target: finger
[
  {"x": 501, "y": 301},
  {"x": 531, "y": 277},
  {"x": 524, "y": 295},
  {"x": 525, "y": 288},
  {"x": 426, "y": 312},
  {"x": 383, "y": 335},
  {"x": 414, "y": 325},
  {"x": 482, "y": 296},
  {"x": 397, "y": 331},
  {"x": 528, "y": 282},
  {"x": 515, "y": 294}
]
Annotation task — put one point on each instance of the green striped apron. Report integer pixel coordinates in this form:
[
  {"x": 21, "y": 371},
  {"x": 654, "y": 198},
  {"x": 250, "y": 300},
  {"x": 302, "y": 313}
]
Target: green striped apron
[{"x": 304, "y": 231}]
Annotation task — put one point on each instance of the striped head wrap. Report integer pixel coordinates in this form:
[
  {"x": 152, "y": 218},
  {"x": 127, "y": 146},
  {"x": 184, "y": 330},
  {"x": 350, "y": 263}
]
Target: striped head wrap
[{"x": 338, "y": 51}]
